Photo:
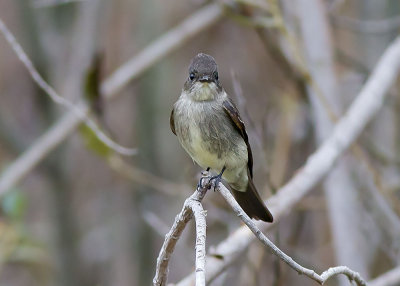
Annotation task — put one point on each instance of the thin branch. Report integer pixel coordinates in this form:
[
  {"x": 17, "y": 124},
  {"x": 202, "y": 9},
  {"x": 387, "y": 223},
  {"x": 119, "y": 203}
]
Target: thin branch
[
  {"x": 77, "y": 110},
  {"x": 170, "y": 241},
  {"x": 263, "y": 5},
  {"x": 390, "y": 278},
  {"x": 366, "y": 26},
  {"x": 166, "y": 44},
  {"x": 20, "y": 167},
  {"x": 191, "y": 206},
  {"x": 321, "y": 279},
  {"x": 137, "y": 175},
  {"x": 155, "y": 222},
  {"x": 363, "y": 109},
  {"x": 52, "y": 3}
]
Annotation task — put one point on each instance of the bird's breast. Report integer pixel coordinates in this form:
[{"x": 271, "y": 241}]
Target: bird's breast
[
  {"x": 207, "y": 134},
  {"x": 201, "y": 151}
]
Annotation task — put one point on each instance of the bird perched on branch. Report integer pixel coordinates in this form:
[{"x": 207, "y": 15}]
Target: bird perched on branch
[{"x": 208, "y": 126}]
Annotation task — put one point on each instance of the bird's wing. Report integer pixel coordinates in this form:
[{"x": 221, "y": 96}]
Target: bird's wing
[
  {"x": 234, "y": 115},
  {"x": 172, "y": 122}
]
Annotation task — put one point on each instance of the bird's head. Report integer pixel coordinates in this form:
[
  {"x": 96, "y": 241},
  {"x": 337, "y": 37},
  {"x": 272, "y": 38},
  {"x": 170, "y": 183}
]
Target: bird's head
[{"x": 203, "y": 83}]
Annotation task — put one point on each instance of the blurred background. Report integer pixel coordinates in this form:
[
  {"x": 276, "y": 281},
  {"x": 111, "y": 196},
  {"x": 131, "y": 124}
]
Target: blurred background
[{"x": 85, "y": 215}]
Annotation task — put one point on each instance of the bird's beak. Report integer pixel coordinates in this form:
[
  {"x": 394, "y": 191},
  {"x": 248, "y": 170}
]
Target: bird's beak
[{"x": 205, "y": 78}]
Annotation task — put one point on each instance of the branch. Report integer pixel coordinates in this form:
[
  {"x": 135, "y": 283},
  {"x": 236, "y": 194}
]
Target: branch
[
  {"x": 366, "y": 26},
  {"x": 346, "y": 131},
  {"x": 145, "y": 178},
  {"x": 191, "y": 206},
  {"x": 321, "y": 279},
  {"x": 78, "y": 111},
  {"x": 38, "y": 151},
  {"x": 171, "y": 238},
  {"x": 164, "y": 45},
  {"x": 52, "y": 3},
  {"x": 169, "y": 42},
  {"x": 200, "y": 218},
  {"x": 390, "y": 278}
]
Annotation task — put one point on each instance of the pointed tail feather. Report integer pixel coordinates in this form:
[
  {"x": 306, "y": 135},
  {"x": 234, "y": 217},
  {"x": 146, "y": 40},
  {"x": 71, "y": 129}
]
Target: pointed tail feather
[{"x": 252, "y": 204}]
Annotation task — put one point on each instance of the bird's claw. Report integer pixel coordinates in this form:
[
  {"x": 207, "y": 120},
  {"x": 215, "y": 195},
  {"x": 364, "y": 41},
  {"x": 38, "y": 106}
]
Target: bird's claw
[
  {"x": 214, "y": 181},
  {"x": 200, "y": 183},
  {"x": 204, "y": 176}
]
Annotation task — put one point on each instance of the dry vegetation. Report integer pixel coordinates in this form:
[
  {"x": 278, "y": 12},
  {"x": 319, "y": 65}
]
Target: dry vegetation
[{"x": 85, "y": 81}]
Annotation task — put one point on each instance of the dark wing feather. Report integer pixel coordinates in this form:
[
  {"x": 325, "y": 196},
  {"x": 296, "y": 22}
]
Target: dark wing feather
[
  {"x": 172, "y": 122},
  {"x": 234, "y": 115}
]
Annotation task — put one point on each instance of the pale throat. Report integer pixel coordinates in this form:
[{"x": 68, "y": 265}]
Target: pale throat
[{"x": 203, "y": 91}]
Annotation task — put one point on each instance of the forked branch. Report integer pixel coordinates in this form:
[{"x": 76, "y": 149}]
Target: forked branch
[{"x": 193, "y": 206}]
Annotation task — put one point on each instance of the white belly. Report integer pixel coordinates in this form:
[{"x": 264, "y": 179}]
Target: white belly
[
  {"x": 236, "y": 164},
  {"x": 217, "y": 146},
  {"x": 200, "y": 154}
]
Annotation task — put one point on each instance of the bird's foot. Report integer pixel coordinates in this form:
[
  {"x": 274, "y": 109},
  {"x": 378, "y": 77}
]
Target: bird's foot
[
  {"x": 214, "y": 181},
  {"x": 204, "y": 176}
]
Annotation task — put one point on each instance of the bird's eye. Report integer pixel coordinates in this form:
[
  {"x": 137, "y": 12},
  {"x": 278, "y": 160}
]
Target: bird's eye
[
  {"x": 191, "y": 76},
  {"x": 216, "y": 75}
]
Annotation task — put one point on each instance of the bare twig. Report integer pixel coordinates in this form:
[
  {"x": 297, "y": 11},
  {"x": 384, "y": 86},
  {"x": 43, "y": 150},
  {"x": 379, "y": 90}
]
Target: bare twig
[
  {"x": 346, "y": 131},
  {"x": 254, "y": 133},
  {"x": 155, "y": 222},
  {"x": 390, "y": 278},
  {"x": 191, "y": 206},
  {"x": 52, "y": 3},
  {"x": 145, "y": 178},
  {"x": 321, "y": 279},
  {"x": 38, "y": 151},
  {"x": 78, "y": 110},
  {"x": 263, "y": 5},
  {"x": 366, "y": 26},
  {"x": 168, "y": 247},
  {"x": 161, "y": 47},
  {"x": 169, "y": 42}
]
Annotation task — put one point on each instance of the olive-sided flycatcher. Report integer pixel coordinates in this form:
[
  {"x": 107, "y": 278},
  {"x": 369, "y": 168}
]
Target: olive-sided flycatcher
[{"x": 208, "y": 126}]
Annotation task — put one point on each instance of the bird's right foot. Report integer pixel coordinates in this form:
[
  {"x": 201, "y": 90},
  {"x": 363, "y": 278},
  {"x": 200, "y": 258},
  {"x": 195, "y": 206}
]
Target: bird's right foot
[{"x": 214, "y": 181}]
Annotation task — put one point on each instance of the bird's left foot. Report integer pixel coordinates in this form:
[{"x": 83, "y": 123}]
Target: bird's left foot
[
  {"x": 214, "y": 181},
  {"x": 200, "y": 183}
]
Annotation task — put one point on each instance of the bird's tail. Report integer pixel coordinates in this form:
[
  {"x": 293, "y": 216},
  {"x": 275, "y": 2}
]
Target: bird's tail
[{"x": 252, "y": 204}]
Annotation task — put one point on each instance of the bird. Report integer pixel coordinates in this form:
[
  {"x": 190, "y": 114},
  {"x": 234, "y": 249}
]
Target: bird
[{"x": 209, "y": 127}]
